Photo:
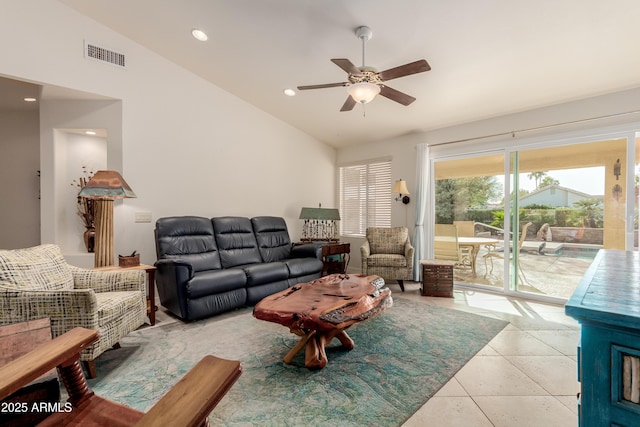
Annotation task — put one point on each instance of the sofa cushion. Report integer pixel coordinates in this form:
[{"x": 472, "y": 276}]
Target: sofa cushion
[
  {"x": 188, "y": 238},
  {"x": 209, "y": 305},
  {"x": 303, "y": 266},
  {"x": 215, "y": 282},
  {"x": 236, "y": 241},
  {"x": 272, "y": 236},
  {"x": 259, "y": 274},
  {"x": 38, "y": 268},
  {"x": 256, "y": 293}
]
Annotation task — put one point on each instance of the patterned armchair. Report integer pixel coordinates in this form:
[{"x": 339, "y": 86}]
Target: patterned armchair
[
  {"x": 387, "y": 252},
  {"x": 37, "y": 282}
]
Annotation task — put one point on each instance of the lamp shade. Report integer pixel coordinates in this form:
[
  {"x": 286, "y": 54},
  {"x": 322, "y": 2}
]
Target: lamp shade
[
  {"x": 363, "y": 92},
  {"x": 107, "y": 185},
  {"x": 400, "y": 187},
  {"x": 320, "y": 214}
]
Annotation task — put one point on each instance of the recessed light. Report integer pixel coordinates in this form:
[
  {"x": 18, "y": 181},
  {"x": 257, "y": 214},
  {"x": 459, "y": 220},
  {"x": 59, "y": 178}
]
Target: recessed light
[
  {"x": 90, "y": 132},
  {"x": 199, "y": 35},
  {"x": 30, "y": 99},
  {"x": 289, "y": 92}
]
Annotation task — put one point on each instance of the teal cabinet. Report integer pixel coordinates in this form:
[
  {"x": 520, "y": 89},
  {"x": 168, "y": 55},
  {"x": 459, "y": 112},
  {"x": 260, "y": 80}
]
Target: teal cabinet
[{"x": 607, "y": 306}]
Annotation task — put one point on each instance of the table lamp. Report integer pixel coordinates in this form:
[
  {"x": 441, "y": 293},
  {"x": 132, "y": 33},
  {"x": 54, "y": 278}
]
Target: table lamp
[
  {"x": 320, "y": 224},
  {"x": 104, "y": 187}
]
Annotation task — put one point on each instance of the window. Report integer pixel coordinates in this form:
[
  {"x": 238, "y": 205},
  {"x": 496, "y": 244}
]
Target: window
[{"x": 365, "y": 197}]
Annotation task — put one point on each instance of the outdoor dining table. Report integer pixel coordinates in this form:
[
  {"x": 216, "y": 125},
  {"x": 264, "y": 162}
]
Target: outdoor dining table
[{"x": 474, "y": 244}]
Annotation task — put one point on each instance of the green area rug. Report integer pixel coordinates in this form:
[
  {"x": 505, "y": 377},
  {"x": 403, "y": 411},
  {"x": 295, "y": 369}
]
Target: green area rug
[{"x": 401, "y": 358}]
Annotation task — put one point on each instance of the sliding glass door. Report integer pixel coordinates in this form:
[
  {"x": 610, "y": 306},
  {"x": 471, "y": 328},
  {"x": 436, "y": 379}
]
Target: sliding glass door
[
  {"x": 570, "y": 201},
  {"x": 532, "y": 220},
  {"x": 469, "y": 216}
]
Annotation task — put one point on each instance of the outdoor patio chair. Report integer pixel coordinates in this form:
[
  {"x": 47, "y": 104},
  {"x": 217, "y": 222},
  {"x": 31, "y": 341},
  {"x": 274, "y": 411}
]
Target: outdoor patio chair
[
  {"x": 465, "y": 228},
  {"x": 446, "y": 247},
  {"x": 496, "y": 254}
]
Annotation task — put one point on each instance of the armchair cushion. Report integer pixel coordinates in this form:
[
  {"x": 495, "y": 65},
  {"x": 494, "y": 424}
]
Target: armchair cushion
[
  {"x": 386, "y": 260},
  {"x": 39, "y": 268},
  {"x": 387, "y": 240}
]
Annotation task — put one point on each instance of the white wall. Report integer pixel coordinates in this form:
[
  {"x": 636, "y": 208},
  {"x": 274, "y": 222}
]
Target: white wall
[
  {"x": 19, "y": 192},
  {"x": 570, "y": 115},
  {"x": 188, "y": 147}
]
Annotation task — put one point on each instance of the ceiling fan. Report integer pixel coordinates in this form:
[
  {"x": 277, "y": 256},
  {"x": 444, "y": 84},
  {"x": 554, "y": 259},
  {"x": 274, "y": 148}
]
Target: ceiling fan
[{"x": 365, "y": 82}]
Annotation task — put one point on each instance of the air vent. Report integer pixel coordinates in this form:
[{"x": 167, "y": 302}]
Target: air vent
[{"x": 98, "y": 53}]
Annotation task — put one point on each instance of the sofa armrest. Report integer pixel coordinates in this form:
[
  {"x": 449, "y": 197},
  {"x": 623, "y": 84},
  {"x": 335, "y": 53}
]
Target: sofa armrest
[
  {"x": 108, "y": 281},
  {"x": 66, "y": 308},
  {"x": 172, "y": 277},
  {"x": 309, "y": 250},
  {"x": 173, "y": 270}
]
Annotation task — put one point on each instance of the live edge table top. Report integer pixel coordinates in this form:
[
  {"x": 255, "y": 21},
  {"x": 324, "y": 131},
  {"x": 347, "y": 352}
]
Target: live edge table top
[{"x": 322, "y": 309}]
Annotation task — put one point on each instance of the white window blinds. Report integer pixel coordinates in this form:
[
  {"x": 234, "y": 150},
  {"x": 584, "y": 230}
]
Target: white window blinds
[{"x": 365, "y": 197}]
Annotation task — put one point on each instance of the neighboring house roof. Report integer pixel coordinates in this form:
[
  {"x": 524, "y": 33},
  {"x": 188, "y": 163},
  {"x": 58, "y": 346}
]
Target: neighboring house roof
[{"x": 556, "y": 196}]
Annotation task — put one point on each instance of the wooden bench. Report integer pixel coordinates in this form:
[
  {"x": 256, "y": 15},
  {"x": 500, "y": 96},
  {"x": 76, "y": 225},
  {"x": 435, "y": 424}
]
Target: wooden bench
[{"x": 188, "y": 403}]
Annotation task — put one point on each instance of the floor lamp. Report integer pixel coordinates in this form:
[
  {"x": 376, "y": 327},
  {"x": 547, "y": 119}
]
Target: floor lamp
[{"x": 104, "y": 187}]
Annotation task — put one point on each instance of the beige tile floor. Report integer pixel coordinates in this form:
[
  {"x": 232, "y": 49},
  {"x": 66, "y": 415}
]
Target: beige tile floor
[{"x": 526, "y": 376}]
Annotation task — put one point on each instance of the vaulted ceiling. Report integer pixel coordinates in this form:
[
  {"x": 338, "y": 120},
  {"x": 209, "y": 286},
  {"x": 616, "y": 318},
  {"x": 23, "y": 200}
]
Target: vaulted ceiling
[{"x": 488, "y": 58}]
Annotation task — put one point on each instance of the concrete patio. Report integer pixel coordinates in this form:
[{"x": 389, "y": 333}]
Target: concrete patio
[{"x": 548, "y": 273}]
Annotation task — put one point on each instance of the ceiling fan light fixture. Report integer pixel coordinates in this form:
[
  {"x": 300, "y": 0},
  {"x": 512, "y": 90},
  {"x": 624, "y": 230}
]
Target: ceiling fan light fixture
[{"x": 363, "y": 92}]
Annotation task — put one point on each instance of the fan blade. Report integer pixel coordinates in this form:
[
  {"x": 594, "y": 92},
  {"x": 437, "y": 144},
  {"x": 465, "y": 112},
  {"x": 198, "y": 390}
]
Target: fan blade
[
  {"x": 348, "y": 104},
  {"x": 347, "y": 66},
  {"x": 323, "y": 86},
  {"x": 405, "y": 70},
  {"x": 396, "y": 95}
]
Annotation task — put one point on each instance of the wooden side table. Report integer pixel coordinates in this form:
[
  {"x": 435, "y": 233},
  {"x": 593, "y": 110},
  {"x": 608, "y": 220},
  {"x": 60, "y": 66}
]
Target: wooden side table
[
  {"x": 151, "y": 284},
  {"x": 332, "y": 266}
]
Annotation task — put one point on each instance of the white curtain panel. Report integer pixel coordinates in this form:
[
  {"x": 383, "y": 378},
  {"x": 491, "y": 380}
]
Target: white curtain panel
[{"x": 421, "y": 198}]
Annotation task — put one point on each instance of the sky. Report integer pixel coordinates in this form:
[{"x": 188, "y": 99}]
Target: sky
[{"x": 586, "y": 180}]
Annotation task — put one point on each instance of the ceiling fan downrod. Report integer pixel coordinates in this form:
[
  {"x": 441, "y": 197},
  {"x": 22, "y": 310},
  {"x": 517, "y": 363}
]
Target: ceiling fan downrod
[{"x": 364, "y": 34}]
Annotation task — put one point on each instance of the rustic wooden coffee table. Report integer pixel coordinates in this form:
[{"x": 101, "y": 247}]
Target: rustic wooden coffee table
[{"x": 321, "y": 310}]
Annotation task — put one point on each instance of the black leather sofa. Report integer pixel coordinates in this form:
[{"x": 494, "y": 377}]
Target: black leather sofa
[{"x": 209, "y": 266}]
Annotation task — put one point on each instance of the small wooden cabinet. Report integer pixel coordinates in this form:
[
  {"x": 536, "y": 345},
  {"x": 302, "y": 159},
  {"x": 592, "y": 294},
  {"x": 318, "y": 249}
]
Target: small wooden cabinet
[
  {"x": 607, "y": 305},
  {"x": 437, "y": 278}
]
